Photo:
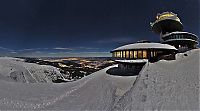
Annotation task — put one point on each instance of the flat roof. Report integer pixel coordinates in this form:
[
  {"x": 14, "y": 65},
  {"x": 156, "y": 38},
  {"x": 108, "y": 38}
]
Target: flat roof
[{"x": 145, "y": 46}]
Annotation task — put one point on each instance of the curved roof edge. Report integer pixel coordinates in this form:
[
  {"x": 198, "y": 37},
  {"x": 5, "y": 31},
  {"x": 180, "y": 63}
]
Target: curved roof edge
[
  {"x": 145, "y": 46},
  {"x": 178, "y": 32},
  {"x": 180, "y": 40},
  {"x": 155, "y": 22},
  {"x": 156, "y": 26}
]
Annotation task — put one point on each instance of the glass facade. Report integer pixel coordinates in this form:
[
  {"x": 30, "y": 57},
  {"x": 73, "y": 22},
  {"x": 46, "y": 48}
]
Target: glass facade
[
  {"x": 124, "y": 54},
  {"x": 118, "y": 54},
  {"x": 153, "y": 53},
  {"x": 133, "y": 54},
  {"x": 180, "y": 36},
  {"x": 165, "y": 15},
  {"x": 144, "y": 54},
  {"x": 140, "y": 54},
  {"x": 187, "y": 41},
  {"x": 127, "y": 54}
]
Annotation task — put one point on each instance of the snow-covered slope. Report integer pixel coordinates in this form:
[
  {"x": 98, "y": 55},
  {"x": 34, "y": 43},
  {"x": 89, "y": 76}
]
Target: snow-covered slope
[
  {"x": 161, "y": 85},
  {"x": 166, "y": 85},
  {"x": 98, "y": 91},
  {"x": 16, "y": 70}
]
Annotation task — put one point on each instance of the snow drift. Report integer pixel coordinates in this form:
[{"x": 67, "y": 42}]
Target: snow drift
[
  {"x": 16, "y": 70},
  {"x": 98, "y": 91},
  {"x": 164, "y": 85}
]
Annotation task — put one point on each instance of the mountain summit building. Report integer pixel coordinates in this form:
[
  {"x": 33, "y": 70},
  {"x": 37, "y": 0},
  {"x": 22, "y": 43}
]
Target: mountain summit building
[
  {"x": 170, "y": 28},
  {"x": 144, "y": 50},
  {"x": 172, "y": 40}
]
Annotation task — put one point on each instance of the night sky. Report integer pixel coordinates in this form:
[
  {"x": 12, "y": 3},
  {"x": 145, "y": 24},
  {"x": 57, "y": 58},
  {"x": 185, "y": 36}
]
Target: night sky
[{"x": 84, "y": 27}]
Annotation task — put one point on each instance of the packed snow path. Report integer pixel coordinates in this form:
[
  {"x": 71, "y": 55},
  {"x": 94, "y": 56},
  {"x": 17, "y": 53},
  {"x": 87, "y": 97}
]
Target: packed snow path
[{"x": 164, "y": 85}]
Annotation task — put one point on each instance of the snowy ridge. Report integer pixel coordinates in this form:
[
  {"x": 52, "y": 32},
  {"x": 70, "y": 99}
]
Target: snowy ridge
[
  {"x": 16, "y": 70},
  {"x": 164, "y": 85},
  {"x": 98, "y": 91}
]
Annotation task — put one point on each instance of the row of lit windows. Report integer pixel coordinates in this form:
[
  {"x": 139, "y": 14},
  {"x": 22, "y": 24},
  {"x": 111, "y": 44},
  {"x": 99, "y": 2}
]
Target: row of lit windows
[
  {"x": 165, "y": 16},
  {"x": 133, "y": 54},
  {"x": 179, "y": 37}
]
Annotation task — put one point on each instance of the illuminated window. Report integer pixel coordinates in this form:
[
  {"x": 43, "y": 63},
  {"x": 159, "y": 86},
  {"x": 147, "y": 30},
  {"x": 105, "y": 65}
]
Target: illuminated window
[
  {"x": 139, "y": 54},
  {"x": 121, "y": 54},
  {"x": 144, "y": 54},
  {"x": 131, "y": 54},
  {"x": 165, "y": 16},
  {"x": 117, "y": 54},
  {"x": 135, "y": 54},
  {"x": 155, "y": 53},
  {"x": 124, "y": 54},
  {"x": 152, "y": 54},
  {"x": 127, "y": 54}
]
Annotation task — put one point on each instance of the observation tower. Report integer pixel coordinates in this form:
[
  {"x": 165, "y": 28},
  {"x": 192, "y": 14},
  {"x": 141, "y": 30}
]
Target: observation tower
[{"x": 170, "y": 28}]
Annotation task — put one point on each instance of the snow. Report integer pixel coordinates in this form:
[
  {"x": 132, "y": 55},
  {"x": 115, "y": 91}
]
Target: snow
[
  {"x": 16, "y": 70},
  {"x": 163, "y": 85},
  {"x": 94, "y": 92},
  {"x": 166, "y": 85},
  {"x": 145, "y": 46},
  {"x": 133, "y": 61}
]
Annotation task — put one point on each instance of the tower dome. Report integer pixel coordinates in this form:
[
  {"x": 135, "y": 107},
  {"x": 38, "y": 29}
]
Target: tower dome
[
  {"x": 166, "y": 22},
  {"x": 170, "y": 28}
]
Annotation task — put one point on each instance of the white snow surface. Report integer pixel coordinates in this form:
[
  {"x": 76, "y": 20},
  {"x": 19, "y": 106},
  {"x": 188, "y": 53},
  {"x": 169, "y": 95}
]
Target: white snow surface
[
  {"x": 16, "y": 70},
  {"x": 145, "y": 46},
  {"x": 164, "y": 85},
  {"x": 133, "y": 61},
  {"x": 98, "y": 91}
]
